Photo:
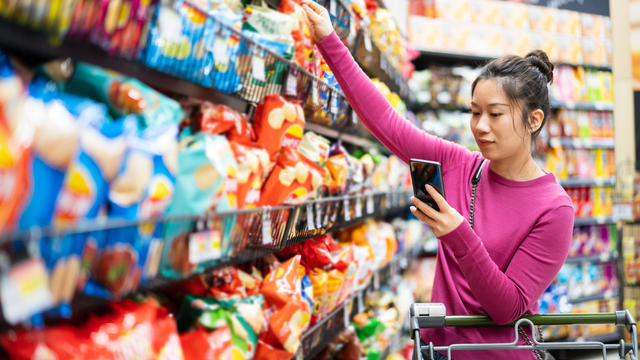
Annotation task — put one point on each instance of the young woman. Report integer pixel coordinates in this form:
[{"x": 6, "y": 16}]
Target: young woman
[{"x": 500, "y": 262}]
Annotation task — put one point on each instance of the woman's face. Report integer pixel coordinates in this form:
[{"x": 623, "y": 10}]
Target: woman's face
[{"x": 498, "y": 135}]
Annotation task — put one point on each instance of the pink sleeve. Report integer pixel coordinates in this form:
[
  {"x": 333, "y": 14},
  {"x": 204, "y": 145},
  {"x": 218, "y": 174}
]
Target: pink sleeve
[
  {"x": 506, "y": 296},
  {"x": 400, "y": 136}
]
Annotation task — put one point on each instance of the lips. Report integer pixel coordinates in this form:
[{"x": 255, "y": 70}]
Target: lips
[{"x": 484, "y": 142}]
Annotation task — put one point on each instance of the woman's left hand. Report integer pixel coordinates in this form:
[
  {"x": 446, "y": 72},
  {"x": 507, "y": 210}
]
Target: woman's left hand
[{"x": 441, "y": 222}]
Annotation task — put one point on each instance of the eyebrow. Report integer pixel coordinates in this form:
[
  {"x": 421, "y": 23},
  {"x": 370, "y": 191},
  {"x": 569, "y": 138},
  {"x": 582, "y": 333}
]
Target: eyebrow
[{"x": 492, "y": 104}]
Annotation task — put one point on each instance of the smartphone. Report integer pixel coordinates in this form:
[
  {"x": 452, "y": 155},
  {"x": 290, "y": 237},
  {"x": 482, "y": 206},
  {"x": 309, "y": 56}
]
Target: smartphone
[{"x": 425, "y": 172}]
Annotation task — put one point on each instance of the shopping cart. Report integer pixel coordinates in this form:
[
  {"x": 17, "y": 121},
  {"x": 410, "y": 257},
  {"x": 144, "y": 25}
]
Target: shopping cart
[{"x": 433, "y": 315}]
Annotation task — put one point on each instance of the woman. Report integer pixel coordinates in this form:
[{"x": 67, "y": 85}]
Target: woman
[{"x": 499, "y": 262}]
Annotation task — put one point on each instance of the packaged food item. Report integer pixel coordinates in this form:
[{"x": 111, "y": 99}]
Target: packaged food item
[
  {"x": 202, "y": 344},
  {"x": 206, "y": 181},
  {"x": 278, "y": 124},
  {"x": 217, "y": 119},
  {"x": 318, "y": 278},
  {"x": 253, "y": 164},
  {"x": 303, "y": 43},
  {"x": 289, "y": 180},
  {"x": 123, "y": 95},
  {"x": 225, "y": 62},
  {"x": 314, "y": 147},
  {"x": 338, "y": 172},
  {"x": 232, "y": 282},
  {"x": 15, "y": 144},
  {"x": 62, "y": 342},
  {"x": 335, "y": 280}
]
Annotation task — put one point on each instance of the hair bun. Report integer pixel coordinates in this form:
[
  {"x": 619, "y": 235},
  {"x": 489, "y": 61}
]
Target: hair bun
[{"x": 539, "y": 59}]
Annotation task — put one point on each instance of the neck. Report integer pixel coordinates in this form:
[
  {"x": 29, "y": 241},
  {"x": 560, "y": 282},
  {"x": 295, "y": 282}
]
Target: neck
[{"x": 518, "y": 168}]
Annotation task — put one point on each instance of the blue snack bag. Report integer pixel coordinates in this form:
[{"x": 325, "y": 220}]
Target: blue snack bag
[{"x": 143, "y": 189}]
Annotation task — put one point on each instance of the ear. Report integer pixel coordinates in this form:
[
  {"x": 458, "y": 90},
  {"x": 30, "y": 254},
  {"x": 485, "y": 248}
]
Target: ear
[{"x": 535, "y": 120}]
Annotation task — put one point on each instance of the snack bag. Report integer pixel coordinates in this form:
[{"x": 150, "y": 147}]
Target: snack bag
[
  {"x": 252, "y": 163},
  {"x": 57, "y": 342},
  {"x": 123, "y": 95},
  {"x": 206, "y": 181},
  {"x": 166, "y": 341},
  {"x": 288, "y": 182},
  {"x": 143, "y": 189},
  {"x": 303, "y": 43},
  {"x": 201, "y": 344},
  {"x": 314, "y": 147},
  {"x": 84, "y": 17},
  {"x": 82, "y": 195},
  {"x": 335, "y": 279},
  {"x": 15, "y": 149},
  {"x": 217, "y": 119},
  {"x": 232, "y": 282},
  {"x": 337, "y": 174},
  {"x": 318, "y": 278},
  {"x": 278, "y": 124},
  {"x": 349, "y": 268}
]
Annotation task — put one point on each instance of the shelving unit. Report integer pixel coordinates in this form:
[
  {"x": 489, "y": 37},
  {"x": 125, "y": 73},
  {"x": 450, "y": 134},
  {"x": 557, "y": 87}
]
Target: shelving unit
[
  {"x": 571, "y": 105},
  {"x": 593, "y": 259},
  {"x": 588, "y": 182},
  {"x": 606, "y": 296},
  {"x": 593, "y": 221},
  {"x": 577, "y": 143}
]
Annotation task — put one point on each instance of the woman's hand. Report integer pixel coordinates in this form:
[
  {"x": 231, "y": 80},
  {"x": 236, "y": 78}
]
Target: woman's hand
[
  {"x": 441, "y": 222},
  {"x": 319, "y": 20}
]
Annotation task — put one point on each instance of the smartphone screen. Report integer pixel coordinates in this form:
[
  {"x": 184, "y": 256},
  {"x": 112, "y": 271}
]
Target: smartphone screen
[{"x": 425, "y": 172}]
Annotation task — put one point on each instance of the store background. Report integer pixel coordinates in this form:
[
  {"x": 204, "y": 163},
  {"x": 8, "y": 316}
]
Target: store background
[{"x": 589, "y": 145}]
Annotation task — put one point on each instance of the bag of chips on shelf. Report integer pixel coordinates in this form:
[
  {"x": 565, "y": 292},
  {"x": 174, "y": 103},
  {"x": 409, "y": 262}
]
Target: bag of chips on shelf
[
  {"x": 269, "y": 349},
  {"x": 335, "y": 280},
  {"x": 278, "y": 124},
  {"x": 15, "y": 149},
  {"x": 123, "y": 95},
  {"x": 206, "y": 181},
  {"x": 318, "y": 278},
  {"x": 217, "y": 119},
  {"x": 202, "y": 344},
  {"x": 252, "y": 162},
  {"x": 232, "y": 282},
  {"x": 166, "y": 341},
  {"x": 314, "y": 147},
  {"x": 288, "y": 182},
  {"x": 143, "y": 189},
  {"x": 57, "y": 342}
]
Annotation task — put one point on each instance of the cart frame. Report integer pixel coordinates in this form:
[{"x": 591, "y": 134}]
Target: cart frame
[{"x": 433, "y": 315}]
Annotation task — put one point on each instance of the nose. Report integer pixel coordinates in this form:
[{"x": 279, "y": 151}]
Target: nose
[{"x": 482, "y": 126}]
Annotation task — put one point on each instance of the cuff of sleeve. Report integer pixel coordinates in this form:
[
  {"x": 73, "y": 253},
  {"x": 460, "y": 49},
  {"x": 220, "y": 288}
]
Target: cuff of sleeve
[
  {"x": 462, "y": 240},
  {"x": 328, "y": 41}
]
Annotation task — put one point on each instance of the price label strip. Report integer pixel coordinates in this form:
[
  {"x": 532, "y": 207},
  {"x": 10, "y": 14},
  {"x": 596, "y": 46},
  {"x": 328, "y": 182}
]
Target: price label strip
[
  {"x": 258, "y": 68},
  {"x": 266, "y": 229},
  {"x": 347, "y": 211},
  {"x": 310, "y": 221},
  {"x": 205, "y": 246},
  {"x": 358, "y": 207},
  {"x": 370, "y": 204}
]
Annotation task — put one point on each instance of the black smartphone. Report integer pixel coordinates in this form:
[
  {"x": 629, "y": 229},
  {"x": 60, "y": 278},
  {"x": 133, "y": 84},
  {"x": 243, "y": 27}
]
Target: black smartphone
[{"x": 425, "y": 172}]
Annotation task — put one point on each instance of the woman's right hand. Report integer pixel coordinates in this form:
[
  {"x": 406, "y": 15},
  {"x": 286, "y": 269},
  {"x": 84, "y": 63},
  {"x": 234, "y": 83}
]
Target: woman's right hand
[{"x": 319, "y": 20}]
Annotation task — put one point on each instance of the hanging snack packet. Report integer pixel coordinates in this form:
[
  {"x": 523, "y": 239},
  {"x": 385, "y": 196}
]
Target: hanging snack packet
[
  {"x": 314, "y": 147},
  {"x": 252, "y": 163},
  {"x": 288, "y": 181},
  {"x": 201, "y": 344},
  {"x": 206, "y": 181},
  {"x": 318, "y": 278},
  {"x": 123, "y": 95},
  {"x": 303, "y": 43},
  {"x": 335, "y": 280},
  {"x": 278, "y": 124}
]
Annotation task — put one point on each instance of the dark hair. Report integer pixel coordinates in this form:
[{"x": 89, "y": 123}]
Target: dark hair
[{"x": 524, "y": 80}]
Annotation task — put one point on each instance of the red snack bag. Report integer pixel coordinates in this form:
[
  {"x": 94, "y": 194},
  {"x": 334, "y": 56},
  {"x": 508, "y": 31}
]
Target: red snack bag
[
  {"x": 278, "y": 124},
  {"x": 283, "y": 284},
  {"x": 218, "y": 119},
  {"x": 288, "y": 323},
  {"x": 200, "y": 344},
  {"x": 288, "y": 181},
  {"x": 166, "y": 341},
  {"x": 253, "y": 164},
  {"x": 61, "y": 342},
  {"x": 268, "y": 351}
]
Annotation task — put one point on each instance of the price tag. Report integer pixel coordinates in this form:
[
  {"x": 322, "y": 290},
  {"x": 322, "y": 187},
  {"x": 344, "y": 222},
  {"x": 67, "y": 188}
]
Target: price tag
[
  {"x": 318, "y": 215},
  {"x": 333, "y": 103},
  {"x": 358, "y": 207},
  {"x": 258, "y": 69},
  {"x": 354, "y": 117},
  {"x": 310, "y": 222},
  {"x": 360, "y": 302},
  {"x": 204, "y": 246},
  {"x": 24, "y": 291},
  {"x": 333, "y": 7},
  {"x": 604, "y": 257},
  {"x": 347, "y": 212},
  {"x": 291, "y": 86},
  {"x": 367, "y": 41},
  {"x": 370, "y": 204},
  {"x": 345, "y": 314},
  {"x": 220, "y": 53},
  {"x": 314, "y": 92},
  {"x": 266, "y": 229}
]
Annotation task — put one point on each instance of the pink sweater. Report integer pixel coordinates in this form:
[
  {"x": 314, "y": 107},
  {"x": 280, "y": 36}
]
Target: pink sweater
[{"x": 522, "y": 229}]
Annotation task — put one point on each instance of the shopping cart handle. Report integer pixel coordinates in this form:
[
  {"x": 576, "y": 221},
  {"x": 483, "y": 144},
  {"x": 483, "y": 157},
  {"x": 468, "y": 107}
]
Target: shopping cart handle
[{"x": 427, "y": 315}]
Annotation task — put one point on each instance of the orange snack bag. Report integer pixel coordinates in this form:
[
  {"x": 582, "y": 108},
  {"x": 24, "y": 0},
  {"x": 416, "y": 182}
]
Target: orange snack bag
[
  {"x": 318, "y": 279},
  {"x": 278, "y": 124},
  {"x": 289, "y": 180},
  {"x": 335, "y": 280}
]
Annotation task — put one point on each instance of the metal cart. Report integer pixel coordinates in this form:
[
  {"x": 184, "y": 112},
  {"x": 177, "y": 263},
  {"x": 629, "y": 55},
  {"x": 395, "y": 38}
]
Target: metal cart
[{"x": 433, "y": 315}]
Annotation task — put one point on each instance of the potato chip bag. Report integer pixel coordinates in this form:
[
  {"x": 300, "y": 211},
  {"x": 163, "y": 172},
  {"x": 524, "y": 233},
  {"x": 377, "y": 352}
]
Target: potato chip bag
[
  {"x": 269, "y": 349},
  {"x": 314, "y": 147},
  {"x": 253, "y": 163},
  {"x": 15, "y": 145},
  {"x": 201, "y": 344},
  {"x": 349, "y": 270},
  {"x": 318, "y": 278},
  {"x": 206, "y": 181},
  {"x": 123, "y": 95},
  {"x": 143, "y": 189},
  {"x": 303, "y": 43},
  {"x": 335, "y": 280},
  {"x": 58, "y": 342},
  {"x": 290, "y": 181},
  {"x": 278, "y": 124}
]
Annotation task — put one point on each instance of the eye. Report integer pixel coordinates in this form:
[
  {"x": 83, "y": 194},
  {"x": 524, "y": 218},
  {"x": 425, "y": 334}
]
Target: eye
[
  {"x": 495, "y": 114},
  {"x": 475, "y": 113}
]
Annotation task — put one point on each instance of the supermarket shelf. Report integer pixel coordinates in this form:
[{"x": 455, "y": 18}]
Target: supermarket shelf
[
  {"x": 593, "y": 221},
  {"x": 566, "y": 142},
  {"x": 577, "y": 105},
  {"x": 345, "y": 137},
  {"x": 430, "y": 107},
  {"x": 317, "y": 337},
  {"x": 603, "y": 296},
  {"x": 593, "y": 259},
  {"x": 428, "y": 57},
  {"x": 588, "y": 182}
]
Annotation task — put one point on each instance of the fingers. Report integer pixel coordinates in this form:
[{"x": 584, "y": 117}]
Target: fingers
[
  {"x": 424, "y": 208},
  {"x": 422, "y": 217},
  {"x": 442, "y": 203},
  {"x": 313, "y": 5},
  {"x": 312, "y": 15}
]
